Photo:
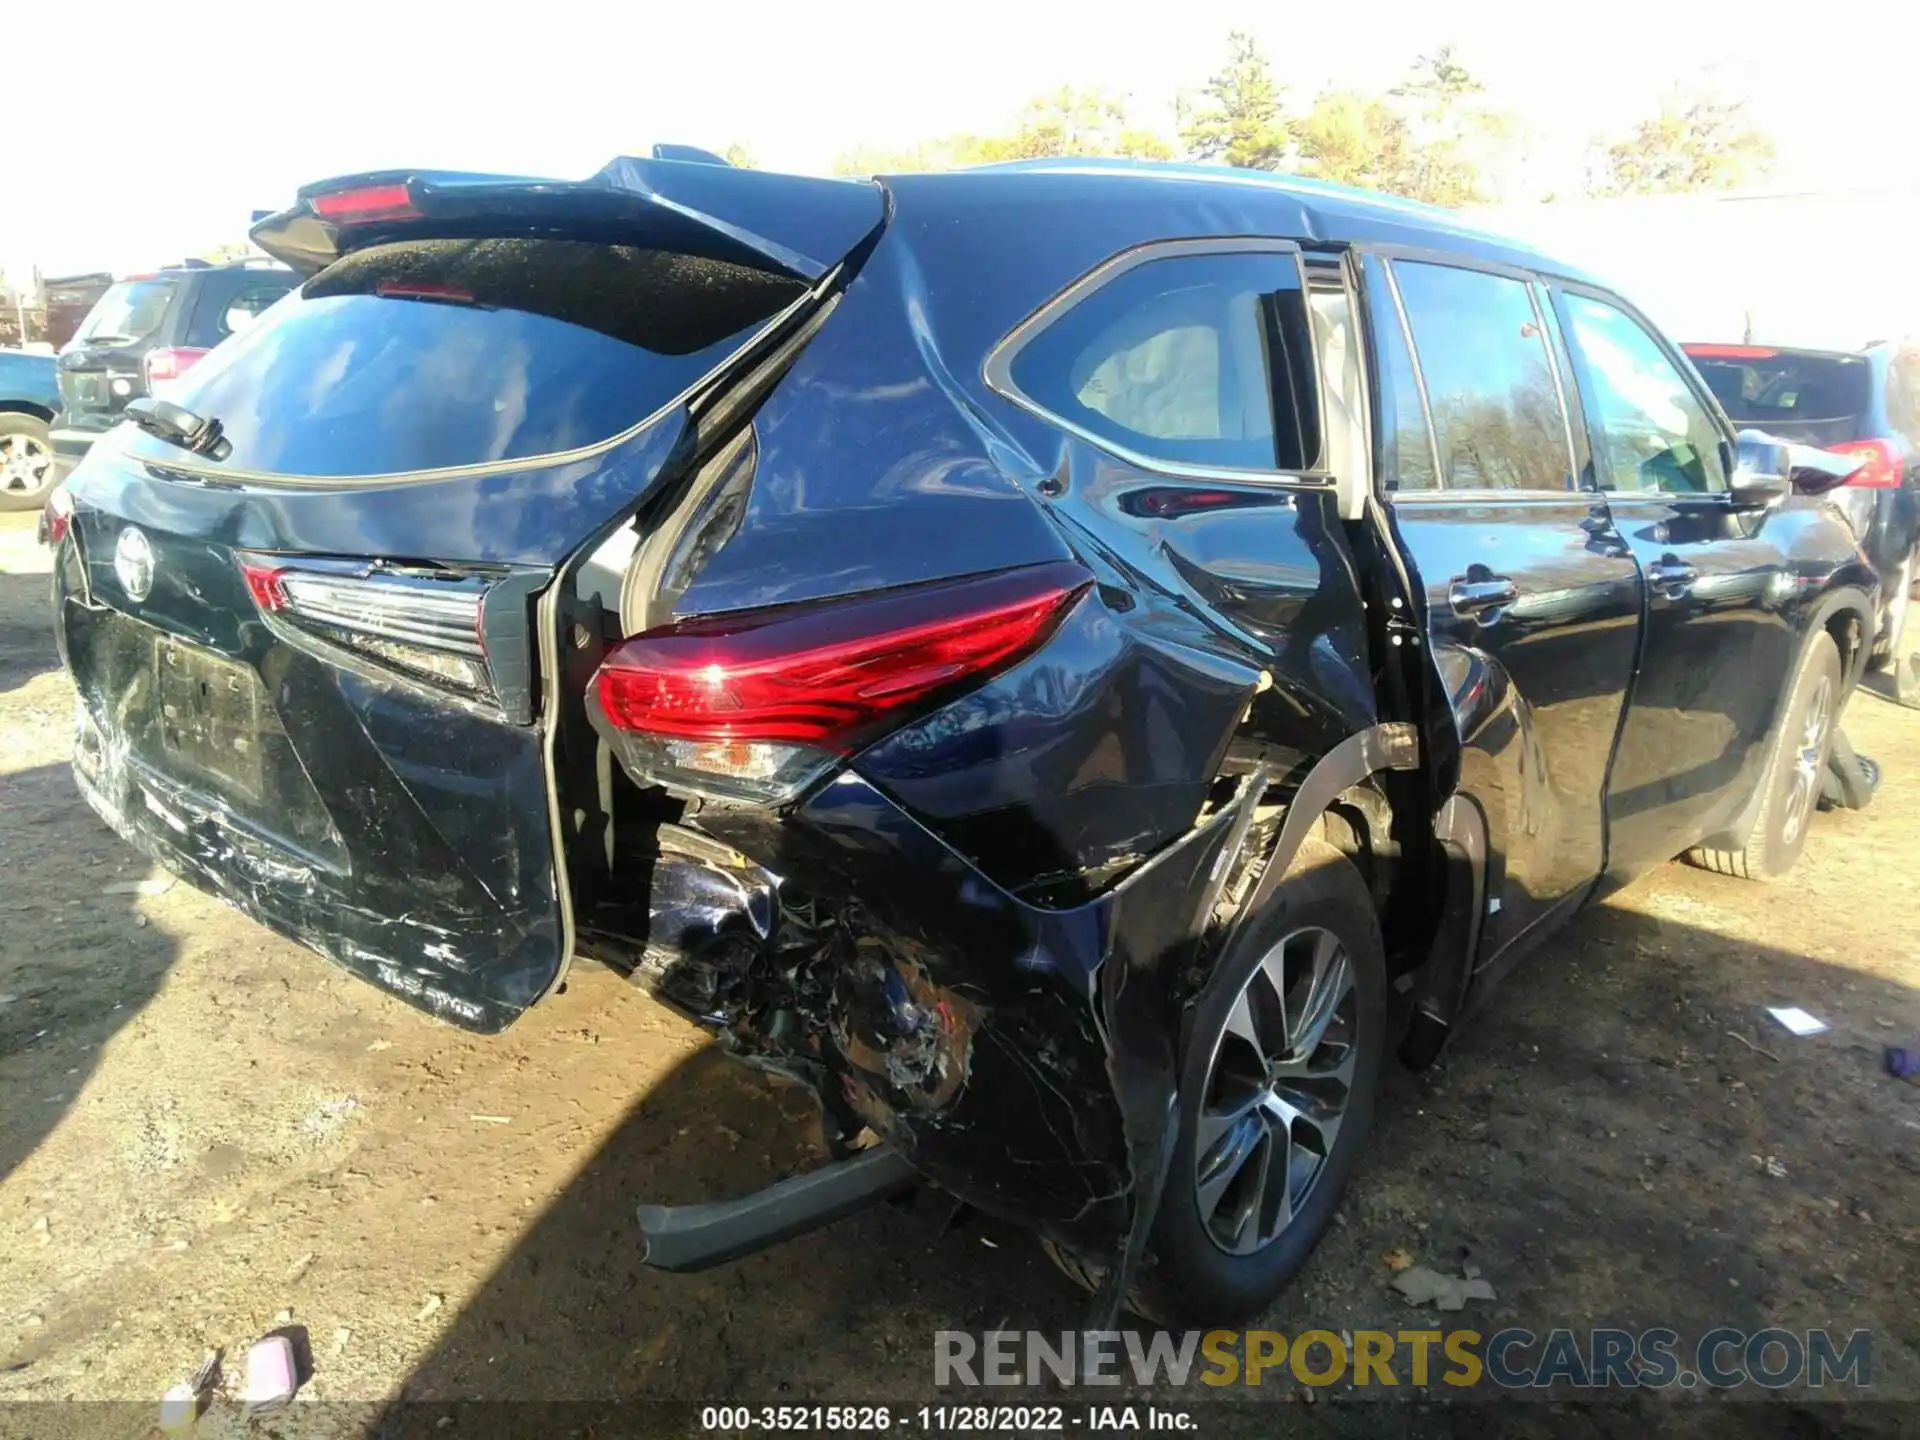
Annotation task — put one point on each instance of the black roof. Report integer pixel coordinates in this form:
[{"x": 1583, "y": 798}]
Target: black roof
[{"x": 1219, "y": 199}]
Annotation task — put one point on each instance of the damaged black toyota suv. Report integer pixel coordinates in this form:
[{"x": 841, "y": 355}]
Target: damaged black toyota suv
[{"x": 1051, "y": 657}]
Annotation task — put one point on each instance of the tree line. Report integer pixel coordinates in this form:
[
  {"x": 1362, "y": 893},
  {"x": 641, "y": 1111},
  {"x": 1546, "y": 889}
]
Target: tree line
[{"x": 1433, "y": 137}]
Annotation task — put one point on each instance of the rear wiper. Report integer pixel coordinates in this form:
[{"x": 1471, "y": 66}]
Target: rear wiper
[{"x": 177, "y": 425}]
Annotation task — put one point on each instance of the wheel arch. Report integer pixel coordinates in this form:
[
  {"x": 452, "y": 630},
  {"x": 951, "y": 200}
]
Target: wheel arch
[{"x": 27, "y": 407}]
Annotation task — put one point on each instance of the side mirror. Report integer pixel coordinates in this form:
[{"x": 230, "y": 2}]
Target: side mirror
[
  {"x": 1761, "y": 472},
  {"x": 1768, "y": 469}
]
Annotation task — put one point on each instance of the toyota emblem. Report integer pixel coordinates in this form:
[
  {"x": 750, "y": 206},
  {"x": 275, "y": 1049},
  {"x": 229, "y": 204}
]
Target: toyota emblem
[{"x": 133, "y": 563}]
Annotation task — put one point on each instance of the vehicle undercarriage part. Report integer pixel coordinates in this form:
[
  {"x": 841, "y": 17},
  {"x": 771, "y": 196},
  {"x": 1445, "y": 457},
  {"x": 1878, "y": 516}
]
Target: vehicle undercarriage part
[{"x": 696, "y": 1237}]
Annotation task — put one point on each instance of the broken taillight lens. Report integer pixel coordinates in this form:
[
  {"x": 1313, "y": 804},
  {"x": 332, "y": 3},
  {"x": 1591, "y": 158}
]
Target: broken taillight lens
[
  {"x": 756, "y": 705},
  {"x": 426, "y": 627}
]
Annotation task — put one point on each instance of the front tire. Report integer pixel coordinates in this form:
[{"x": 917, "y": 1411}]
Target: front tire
[
  {"x": 26, "y": 461},
  {"x": 1793, "y": 777},
  {"x": 1279, "y": 1072}
]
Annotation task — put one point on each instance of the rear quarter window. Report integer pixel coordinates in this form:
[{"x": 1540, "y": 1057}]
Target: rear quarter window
[
  {"x": 431, "y": 354},
  {"x": 230, "y": 303},
  {"x": 1197, "y": 359}
]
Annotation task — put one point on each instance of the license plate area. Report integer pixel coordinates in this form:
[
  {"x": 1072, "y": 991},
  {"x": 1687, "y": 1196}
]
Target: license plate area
[{"x": 208, "y": 715}]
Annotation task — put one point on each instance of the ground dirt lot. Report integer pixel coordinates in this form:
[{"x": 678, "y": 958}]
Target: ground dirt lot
[{"x": 205, "y": 1131}]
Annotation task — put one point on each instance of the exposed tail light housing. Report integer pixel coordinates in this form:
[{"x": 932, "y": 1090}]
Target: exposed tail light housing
[
  {"x": 426, "y": 627},
  {"x": 1882, "y": 466},
  {"x": 757, "y": 705},
  {"x": 170, "y": 362}
]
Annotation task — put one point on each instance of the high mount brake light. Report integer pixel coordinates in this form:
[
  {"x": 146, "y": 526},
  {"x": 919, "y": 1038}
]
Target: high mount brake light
[
  {"x": 1882, "y": 464},
  {"x": 426, "y": 628},
  {"x": 365, "y": 205},
  {"x": 1730, "y": 352},
  {"x": 758, "y": 704}
]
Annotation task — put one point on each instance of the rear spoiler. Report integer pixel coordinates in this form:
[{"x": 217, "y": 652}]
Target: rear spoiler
[{"x": 792, "y": 225}]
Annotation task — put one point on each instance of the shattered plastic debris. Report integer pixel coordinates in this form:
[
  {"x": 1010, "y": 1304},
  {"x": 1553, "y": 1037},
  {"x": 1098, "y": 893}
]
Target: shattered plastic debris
[
  {"x": 1796, "y": 1021},
  {"x": 271, "y": 1375},
  {"x": 1447, "y": 1292},
  {"x": 431, "y": 1304},
  {"x": 1902, "y": 1063},
  {"x": 1398, "y": 1259}
]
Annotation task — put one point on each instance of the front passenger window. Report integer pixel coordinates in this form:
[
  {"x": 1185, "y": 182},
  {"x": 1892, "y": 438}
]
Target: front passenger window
[{"x": 1651, "y": 432}]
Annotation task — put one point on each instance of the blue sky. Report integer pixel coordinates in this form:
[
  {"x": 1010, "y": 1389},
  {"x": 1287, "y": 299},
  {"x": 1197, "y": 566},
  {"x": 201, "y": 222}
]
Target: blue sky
[{"x": 186, "y": 116}]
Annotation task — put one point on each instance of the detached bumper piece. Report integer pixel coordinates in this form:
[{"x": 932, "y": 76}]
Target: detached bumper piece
[{"x": 697, "y": 1237}]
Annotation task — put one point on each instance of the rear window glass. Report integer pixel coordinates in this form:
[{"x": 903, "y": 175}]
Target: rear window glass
[
  {"x": 427, "y": 354},
  {"x": 1194, "y": 360},
  {"x": 129, "y": 311},
  {"x": 1788, "y": 389}
]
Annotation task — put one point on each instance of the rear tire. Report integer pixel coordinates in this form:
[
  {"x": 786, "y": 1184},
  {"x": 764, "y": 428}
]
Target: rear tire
[
  {"x": 1791, "y": 782},
  {"x": 1288, "y": 1035},
  {"x": 26, "y": 461}
]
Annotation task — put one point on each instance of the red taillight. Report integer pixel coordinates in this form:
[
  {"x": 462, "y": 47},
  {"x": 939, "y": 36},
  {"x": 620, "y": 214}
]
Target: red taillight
[
  {"x": 56, "y": 516},
  {"x": 170, "y": 362},
  {"x": 263, "y": 583},
  {"x": 1730, "y": 352},
  {"x": 365, "y": 205},
  {"x": 1882, "y": 464},
  {"x": 426, "y": 626},
  {"x": 743, "y": 695}
]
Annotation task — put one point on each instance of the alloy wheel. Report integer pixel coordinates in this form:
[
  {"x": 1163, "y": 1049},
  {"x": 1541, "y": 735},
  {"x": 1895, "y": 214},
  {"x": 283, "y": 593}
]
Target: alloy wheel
[
  {"x": 1277, "y": 1090},
  {"x": 1809, "y": 755},
  {"x": 26, "y": 465}
]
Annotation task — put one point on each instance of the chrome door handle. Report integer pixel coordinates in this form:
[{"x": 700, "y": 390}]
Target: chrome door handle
[
  {"x": 1476, "y": 599},
  {"x": 1671, "y": 575}
]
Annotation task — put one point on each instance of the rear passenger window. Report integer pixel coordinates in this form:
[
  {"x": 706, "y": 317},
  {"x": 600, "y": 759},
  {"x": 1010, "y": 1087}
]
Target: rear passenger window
[
  {"x": 1190, "y": 359},
  {"x": 1651, "y": 432},
  {"x": 249, "y": 304},
  {"x": 1496, "y": 411},
  {"x": 1406, "y": 449}
]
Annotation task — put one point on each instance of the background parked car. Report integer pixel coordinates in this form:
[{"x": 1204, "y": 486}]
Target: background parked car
[
  {"x": 1861, "y": 402},
  {"x": 148, "y": 329},
  {"x": 29, "y": 395}
]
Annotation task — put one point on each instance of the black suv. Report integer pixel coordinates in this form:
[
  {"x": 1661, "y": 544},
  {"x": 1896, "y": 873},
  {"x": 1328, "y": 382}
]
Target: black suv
[
  {"x": 147, "y": 330},
  {"x": 1038, "y": 655}
]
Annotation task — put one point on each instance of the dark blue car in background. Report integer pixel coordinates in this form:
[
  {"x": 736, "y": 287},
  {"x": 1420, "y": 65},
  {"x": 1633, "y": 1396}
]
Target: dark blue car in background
[
  {"x": 29, "y": 396},
  {"x": 1039, "y": 655}
]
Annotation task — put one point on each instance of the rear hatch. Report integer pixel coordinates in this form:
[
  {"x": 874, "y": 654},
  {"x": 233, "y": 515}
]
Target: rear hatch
[
  {"x": 101, "y": 367},
  {"x": 310, "y": 654}
]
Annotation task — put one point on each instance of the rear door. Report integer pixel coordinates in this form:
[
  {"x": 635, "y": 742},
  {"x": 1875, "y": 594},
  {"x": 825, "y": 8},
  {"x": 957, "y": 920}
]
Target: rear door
[
  {"x": 1720, "y": 641},
  {"x": 309, "y": 658},
  {"x": 1532, "y": 599}
]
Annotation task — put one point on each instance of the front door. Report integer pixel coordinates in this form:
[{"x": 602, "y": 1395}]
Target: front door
[
  {"x": 1533, "y": 601},
  {"x": 1720, "y": 645}
]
